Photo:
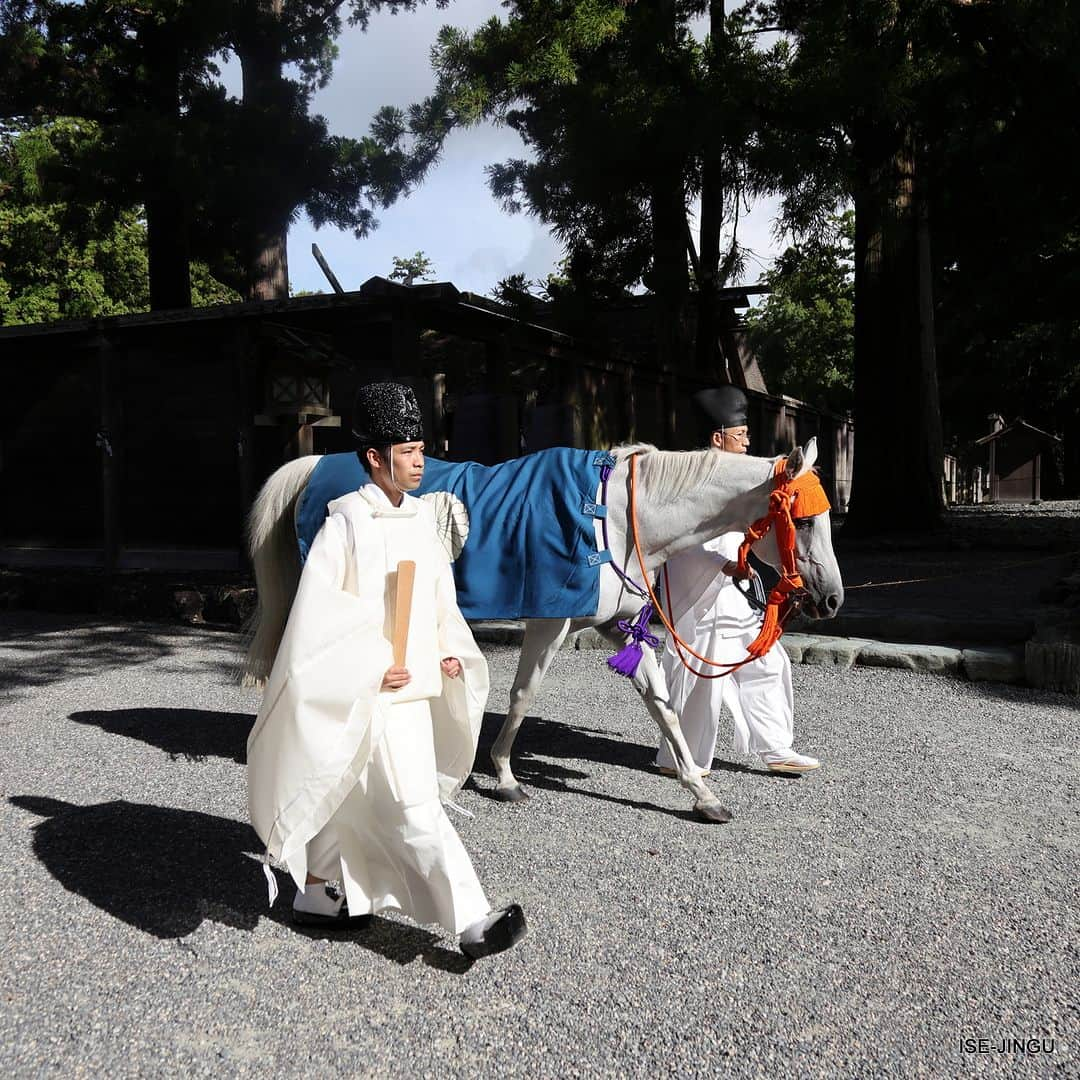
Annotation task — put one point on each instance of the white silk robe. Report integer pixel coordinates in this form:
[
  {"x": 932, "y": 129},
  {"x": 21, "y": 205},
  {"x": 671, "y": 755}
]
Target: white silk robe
[
  {"x": 344, "y": 776},
  {"x": 712, "y": 615}
]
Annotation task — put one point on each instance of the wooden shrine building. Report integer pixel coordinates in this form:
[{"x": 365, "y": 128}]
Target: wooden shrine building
[
  {"x": 1015, "y": 454},
  {"x": 139, "y": 442}
]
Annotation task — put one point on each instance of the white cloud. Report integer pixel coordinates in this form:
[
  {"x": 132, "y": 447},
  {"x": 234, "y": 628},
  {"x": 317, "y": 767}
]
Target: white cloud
[{"x": 452, "y": 216}]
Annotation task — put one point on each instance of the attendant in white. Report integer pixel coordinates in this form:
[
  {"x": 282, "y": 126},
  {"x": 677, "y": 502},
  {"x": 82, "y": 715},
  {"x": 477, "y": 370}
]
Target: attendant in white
[
  {"x": 711, "y": 613},
  {"x": 352, "y": 757}
]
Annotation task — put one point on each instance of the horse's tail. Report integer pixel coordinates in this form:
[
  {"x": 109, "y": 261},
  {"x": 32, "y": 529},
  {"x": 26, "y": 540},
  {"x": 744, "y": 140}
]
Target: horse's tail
[{"x": 271, "y": 542}]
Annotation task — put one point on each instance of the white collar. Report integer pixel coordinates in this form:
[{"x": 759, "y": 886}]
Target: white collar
[{"x": 381, "y": 506}]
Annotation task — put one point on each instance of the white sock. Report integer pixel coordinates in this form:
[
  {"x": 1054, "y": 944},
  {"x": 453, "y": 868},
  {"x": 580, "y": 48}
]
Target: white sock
[
  {"x": 474, "y": 933},
  {"x": 317, "y": 901}
]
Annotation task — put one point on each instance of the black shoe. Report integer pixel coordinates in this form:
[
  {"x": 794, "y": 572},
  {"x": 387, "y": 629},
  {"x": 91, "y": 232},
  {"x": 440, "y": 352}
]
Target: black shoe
[
  {"x": 341, "y": 921},
  {"x": 506, "y": 930}
]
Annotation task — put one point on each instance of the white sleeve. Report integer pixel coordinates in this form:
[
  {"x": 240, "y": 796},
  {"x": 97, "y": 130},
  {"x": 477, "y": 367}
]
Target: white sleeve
[
  {"x": 728, "y": 544},
  {"x": 329, "y": 551}
]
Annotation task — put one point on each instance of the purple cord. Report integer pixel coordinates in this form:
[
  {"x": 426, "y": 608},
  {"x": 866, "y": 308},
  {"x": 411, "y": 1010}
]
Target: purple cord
[
  {"x": 626, "y": 660},
  {"x": 605, "y": 473}
]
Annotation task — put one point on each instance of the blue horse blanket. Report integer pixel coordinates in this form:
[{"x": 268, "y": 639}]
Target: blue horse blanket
[{"x": 530, "y": 550}]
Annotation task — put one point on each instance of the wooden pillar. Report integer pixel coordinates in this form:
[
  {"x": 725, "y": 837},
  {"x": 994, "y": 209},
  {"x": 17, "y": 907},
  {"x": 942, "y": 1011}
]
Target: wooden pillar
[
  {"x": 305, "y": 437},
  {"x": 108, "y": 441},
  {"x": 439, "y": 443},
  {"x": 497, "y": 361},
  {"x": 244, "y": 384},
  {"x": 671, "y": 403},
  {"x": 993, "y": 471},
  {"x": 404, "y": 342},
  {"x": 629, "y": 404},
  {"x": 504, "y": 404}
]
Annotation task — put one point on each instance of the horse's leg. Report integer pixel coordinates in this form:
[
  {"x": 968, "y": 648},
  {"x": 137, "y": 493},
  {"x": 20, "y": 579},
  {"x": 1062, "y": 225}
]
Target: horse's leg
[
  {"x": 543, "y": 637},
  {"x": 649, "y": 683}
]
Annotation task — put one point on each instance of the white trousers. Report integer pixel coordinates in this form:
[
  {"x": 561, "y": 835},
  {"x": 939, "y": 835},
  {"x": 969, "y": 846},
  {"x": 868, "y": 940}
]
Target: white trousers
[
  {"x": 390, "y": 842},
  {"x": 759, "y": 696}
]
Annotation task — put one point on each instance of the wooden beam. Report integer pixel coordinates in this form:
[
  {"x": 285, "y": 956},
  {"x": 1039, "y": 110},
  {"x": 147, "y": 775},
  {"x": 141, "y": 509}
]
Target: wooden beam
[{"x": 108, "y": 441}]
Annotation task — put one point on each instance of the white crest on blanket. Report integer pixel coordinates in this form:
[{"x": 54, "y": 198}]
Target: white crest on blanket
[{"x": 451, "y": 521}]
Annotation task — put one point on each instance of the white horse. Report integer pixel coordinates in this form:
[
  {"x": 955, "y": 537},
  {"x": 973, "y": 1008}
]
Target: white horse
[{"x": 683, "y": 498}]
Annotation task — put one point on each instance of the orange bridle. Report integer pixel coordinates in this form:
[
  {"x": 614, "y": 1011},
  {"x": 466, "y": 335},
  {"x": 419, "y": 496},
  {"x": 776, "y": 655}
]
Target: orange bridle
[{"x": 789, "y": 499}]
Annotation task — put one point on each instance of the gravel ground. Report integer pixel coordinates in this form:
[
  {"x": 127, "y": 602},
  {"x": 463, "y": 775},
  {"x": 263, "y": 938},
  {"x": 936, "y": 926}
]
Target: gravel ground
[{"x": 919, "y": 891}]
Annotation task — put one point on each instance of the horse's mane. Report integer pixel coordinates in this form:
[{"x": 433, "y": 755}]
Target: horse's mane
[{"x": 673, "y": 471}]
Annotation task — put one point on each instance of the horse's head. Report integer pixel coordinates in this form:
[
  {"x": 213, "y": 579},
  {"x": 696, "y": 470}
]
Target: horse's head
[{"x": 814, "y": 557}]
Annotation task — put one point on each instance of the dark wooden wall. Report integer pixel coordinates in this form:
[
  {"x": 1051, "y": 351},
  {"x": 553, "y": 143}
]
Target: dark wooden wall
[{"x": 155, "y": 436}]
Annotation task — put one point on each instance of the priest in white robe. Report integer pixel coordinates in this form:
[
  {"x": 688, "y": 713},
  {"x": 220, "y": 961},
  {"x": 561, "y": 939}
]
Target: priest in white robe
[
  {"x": 352, "y": 757},
  {"x": 712, "y": 614}
]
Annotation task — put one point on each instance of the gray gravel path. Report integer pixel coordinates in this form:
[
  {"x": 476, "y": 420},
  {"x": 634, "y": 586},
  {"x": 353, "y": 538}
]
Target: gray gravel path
[{"x": 920, "y": 890}]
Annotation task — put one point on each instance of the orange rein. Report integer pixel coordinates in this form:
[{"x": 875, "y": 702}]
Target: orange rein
[{"x": 810, "y": 497}]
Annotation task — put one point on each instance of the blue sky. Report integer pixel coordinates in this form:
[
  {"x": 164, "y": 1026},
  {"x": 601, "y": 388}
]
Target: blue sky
[{"x": 452, "y": 216}]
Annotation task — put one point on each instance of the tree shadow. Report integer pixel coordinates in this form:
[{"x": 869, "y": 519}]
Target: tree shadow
[
  {"x": 165, "y": 871},
  {"x": 40, "y": 649},
  {"x": 190, "y": 734}
]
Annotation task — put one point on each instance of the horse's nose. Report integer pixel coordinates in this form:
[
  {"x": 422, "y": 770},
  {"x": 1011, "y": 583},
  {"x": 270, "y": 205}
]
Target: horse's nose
[{"x": 832, "y": 603}]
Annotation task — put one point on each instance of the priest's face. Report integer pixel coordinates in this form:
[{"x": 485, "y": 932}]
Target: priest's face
[
  {"x": 408, "y": 461},
  {"x": 398, "y": 468},
  {"x": 735, "y": 440}
]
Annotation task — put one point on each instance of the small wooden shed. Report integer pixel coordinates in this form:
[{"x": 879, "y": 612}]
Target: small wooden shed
[{"x": 1015, "y": 459}]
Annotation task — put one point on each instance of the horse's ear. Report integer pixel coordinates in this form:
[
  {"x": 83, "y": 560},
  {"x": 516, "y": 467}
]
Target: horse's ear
[
  {"x": 810, "y": 453},
  {"x": 794, "y": 464}
]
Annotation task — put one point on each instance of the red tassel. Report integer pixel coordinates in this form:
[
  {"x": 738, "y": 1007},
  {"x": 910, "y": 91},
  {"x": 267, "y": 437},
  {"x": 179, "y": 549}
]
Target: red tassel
[{"x": 769, "y": 633}]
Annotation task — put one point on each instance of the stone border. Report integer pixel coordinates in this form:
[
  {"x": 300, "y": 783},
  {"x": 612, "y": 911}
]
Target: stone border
[{"x": 989, "y": 663}]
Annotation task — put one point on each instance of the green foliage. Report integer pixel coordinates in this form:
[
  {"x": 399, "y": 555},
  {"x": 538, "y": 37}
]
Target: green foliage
[
  {"x": 234, "y": 172},
  {"x": 410, "y": 270},
  {"x": 1007, "y": 221},
  {"x": 612, "y": 100},
  {"x": 803, "y": 334},
  {"x": 61, "y": 257}
]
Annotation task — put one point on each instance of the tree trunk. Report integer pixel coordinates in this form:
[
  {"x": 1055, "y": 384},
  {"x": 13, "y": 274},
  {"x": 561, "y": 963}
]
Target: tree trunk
[
  {"x": 670, "y": 282},
  {"x": 708, "y": 354},
  {"x": 268, "y": 264},
  {"x": 167, "y": 245},
  {"x": 897, "y": 481},
  {"x": 670, "y": 278},
  {"x": 164, "y": 197},
  {"x": 265, "y": 245}
]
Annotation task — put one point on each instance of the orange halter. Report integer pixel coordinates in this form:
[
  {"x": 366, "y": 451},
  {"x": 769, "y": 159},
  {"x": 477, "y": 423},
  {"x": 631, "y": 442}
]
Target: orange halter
[{"x": 789, "y": 499}]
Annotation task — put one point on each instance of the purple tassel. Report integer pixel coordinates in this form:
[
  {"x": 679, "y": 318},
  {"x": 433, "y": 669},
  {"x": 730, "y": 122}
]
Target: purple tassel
[{"x": 626, "y": 660}]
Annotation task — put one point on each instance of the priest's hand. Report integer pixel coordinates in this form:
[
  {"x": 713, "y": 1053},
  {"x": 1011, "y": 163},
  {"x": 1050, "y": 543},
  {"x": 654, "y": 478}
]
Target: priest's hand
[
  {"x": 732, "y": 570},
  {"x": 395, "y": 678},
  {"x": 451, "y": 667}
]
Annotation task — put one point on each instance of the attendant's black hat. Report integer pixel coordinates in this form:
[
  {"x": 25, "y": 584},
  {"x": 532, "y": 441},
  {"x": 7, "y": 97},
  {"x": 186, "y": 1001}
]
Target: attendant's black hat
[
  {"x": 721, "y": 407},
  {"x": 385, "y": 413}
]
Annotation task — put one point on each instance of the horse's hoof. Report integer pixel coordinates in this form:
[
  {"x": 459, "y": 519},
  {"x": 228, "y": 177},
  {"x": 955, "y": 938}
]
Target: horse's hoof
[
  {"x": 511, "y": 794},
  {"x": 713, "y": 812}
]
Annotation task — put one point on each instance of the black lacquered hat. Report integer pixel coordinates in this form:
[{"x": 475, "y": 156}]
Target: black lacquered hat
[
  {"x": 386, "y": 412},
  {"x": 722, "y": 407}
]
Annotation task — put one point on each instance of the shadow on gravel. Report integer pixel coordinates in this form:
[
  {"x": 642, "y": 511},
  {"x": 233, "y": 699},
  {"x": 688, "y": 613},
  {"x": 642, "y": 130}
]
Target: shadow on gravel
[
  {"x": 543, "y": 780},
  {"x": 42, "y": 654},
  {"x": 188, "y": 734},
  {"x": 38, "y": 649},
  {"x": 164, "y": 871},
  {"x": 552, "y": 739},
  {"x": 540, "y": 738}
]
